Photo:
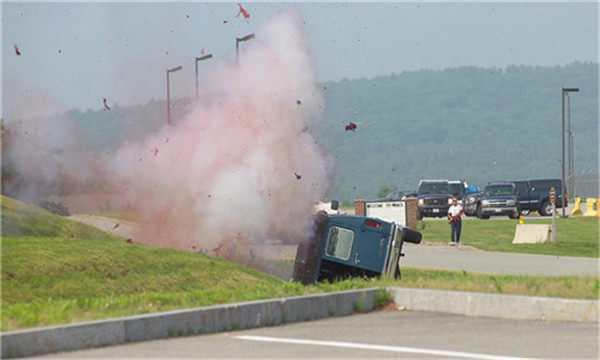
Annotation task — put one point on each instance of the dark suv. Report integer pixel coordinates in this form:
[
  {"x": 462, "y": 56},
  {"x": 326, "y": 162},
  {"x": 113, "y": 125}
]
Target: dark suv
[
  {"x": 434, "y": 198},
  {"x": 499, "y": 198}
]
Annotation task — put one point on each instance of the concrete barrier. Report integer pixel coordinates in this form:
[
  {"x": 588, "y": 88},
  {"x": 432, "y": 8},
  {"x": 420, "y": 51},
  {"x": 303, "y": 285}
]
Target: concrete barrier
[
  {"x": 496, "y": 305},
  {"x": 576, "y": 207},
  {"x": 590, "y": 207},
  {"x": 532, "y": 233}
]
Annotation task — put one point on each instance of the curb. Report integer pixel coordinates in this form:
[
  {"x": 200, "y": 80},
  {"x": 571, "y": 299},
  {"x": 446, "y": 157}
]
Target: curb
[
  {"x": 515, "y": 307},
  {"x": 197, "y": 321},
  {"x": 253, "y": 314}
]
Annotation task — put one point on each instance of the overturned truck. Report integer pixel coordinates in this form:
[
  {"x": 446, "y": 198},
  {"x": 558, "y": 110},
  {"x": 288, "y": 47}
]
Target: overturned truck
[{"x": 347, "y": 245}]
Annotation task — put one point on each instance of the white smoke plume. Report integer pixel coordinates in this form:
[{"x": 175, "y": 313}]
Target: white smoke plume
[{"x": 243, "y": 160}]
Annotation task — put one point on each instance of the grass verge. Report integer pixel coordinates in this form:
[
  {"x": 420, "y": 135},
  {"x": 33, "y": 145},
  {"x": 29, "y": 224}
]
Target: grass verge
[{"x": 576, "y": 236}]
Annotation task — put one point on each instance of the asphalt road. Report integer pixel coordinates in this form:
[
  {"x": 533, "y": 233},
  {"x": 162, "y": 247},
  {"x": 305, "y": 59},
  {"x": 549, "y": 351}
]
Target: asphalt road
[
  {"x": 382, "y": 334},
  {"x": 434, "y": 256}
]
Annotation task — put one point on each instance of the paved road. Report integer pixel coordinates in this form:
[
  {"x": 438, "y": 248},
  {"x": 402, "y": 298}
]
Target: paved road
[
  {"x": 404, "y": 334},
  {"x": 435, "y": 256},
  {"x": 473, "y": 260}
]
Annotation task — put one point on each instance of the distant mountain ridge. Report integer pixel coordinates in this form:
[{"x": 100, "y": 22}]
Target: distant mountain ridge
[{"x": 472, "y": 123}]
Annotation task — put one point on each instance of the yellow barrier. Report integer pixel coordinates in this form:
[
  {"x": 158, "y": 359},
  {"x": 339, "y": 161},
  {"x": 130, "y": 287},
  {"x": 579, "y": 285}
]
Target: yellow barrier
[
  {"x": 576, "y": 211},
  {"x": 590, "y": 209},
  {"x": 597, "y": 210}
]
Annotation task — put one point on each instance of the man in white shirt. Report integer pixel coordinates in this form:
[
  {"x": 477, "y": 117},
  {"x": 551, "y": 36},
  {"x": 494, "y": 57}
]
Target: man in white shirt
[{"x": 454, "y": 215}]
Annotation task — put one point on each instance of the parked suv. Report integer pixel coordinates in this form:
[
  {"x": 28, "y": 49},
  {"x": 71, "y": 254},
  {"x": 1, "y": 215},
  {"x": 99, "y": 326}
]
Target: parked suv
[
  {"x": 534, "y": 195},
  {"x": 434, "y": 198},
  {"x": 498, "y": 198}
]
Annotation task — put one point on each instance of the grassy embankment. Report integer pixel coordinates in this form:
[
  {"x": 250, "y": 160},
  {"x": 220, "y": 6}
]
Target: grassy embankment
[{"x": 57, "y": 271}]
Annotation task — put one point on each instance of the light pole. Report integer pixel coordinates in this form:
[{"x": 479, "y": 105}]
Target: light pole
[
  {"x": 205, "y": 57},
  {"x": 169, "y": 94},
  {"x": 562, "y": 163},
  {"x": 237, "y": 45}
]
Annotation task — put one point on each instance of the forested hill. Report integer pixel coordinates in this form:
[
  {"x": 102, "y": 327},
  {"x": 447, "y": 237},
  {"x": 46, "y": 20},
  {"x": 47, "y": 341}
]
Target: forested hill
[{"x": 478, "y": 124}]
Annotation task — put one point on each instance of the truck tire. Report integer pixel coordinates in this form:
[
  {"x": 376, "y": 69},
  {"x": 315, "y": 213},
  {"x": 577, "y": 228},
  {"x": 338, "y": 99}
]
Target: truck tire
[
  {"x": 480, "y": 214},
  {"x": 546, "y": 209}
]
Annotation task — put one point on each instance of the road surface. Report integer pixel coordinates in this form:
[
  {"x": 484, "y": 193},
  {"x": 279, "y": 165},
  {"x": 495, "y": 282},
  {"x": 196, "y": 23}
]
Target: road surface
[{"x": 381, "y": 334}]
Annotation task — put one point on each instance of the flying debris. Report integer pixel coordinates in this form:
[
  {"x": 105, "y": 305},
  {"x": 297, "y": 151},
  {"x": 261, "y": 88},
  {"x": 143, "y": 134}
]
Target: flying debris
[
  {"x": 305, "y": 128},
  {"x": 298, "y": 102},
  {"x": 17, "y": 50},
  {"x": 116, "y": 226},
  {"x": 243, "y": 12},
  {"x": 351, "y": 127},
  {"x": 298, "y": 176},
  {"x": 155, "y": 151},
  {"x": 106, "y": 107}
]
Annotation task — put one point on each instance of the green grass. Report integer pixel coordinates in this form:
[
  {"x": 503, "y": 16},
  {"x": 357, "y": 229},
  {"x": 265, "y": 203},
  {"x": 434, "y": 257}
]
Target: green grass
[
  {"x": 576, "y": 236},
  {"x": 57, "y": 271}
]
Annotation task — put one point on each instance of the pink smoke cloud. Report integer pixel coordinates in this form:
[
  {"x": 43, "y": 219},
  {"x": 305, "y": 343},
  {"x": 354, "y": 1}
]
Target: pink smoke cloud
[{"x": 241, "y": 161}]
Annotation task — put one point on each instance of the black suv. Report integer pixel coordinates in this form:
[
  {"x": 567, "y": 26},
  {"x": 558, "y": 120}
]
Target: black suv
[{"x": 434, "y": 198}]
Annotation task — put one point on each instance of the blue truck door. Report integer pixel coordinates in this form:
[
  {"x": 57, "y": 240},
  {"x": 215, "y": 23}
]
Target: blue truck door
[
  {"x": 358, "y": 242},
  {"x": 523, "y": 199},
  {"x": 371, "y": 245}
]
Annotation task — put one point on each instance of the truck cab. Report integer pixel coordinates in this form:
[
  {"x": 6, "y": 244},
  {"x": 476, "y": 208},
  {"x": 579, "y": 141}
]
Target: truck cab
[
  {"x": 434, "y": 198},
  {"x": 348, "y": 245}
]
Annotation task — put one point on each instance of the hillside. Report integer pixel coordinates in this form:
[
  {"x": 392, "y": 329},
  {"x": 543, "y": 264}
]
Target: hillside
[
  {"x": 469, "y": 123},
  {"x": 477, "y": 124}
]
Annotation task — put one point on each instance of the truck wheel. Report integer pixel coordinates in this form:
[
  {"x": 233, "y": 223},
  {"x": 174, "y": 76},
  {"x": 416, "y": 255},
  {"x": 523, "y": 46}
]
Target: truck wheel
[
  {"x": 546, "y": 209},
  {"x": 480, "y": 214},
  {"x": 525, "y": 212}
]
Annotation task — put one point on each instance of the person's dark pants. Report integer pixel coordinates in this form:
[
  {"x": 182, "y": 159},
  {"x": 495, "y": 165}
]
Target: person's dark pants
[{"x": 455, "y": 231}]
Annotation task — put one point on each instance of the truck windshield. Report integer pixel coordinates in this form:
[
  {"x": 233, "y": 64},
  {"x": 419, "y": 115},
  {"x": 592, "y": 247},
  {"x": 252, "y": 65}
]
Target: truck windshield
[
  {"x": 457, "y": 189},
  {"x": 499, "y": 190},
  {"x": 434, "y": 188}
]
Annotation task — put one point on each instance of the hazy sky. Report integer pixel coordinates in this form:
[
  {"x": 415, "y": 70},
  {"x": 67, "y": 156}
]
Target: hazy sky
[{"x": 74, "y": 54}]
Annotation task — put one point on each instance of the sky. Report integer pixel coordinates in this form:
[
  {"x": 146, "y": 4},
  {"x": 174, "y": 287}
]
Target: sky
[{"x": 75, "y": 54}]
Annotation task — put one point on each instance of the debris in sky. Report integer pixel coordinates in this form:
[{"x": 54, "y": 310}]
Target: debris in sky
[
  {"x": 305, "y": 128},
  {"x": 187, "y": 16},
  {"x": 17, "y": 50},
  {"x": 225, "y": 21},
  {"x": 298, "y": 102},
  {"x": 202, "y": 51},
  {"x": 155, "y": 151},
  {"x": 116, "y": 226},
  {"x": 243, "y": 12},
  {"x": 351, "y": 127},
  {"x": 106, "y": 107},
  {"x": 298, "y": 176},
  {"x": 167, "y": 141}
]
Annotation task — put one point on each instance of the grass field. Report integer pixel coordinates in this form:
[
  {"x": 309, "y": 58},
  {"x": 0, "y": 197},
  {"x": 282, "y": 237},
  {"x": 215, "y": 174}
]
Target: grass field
[
  {"x": 576, "y": 236},
  {"x": 57, "y": 271}
]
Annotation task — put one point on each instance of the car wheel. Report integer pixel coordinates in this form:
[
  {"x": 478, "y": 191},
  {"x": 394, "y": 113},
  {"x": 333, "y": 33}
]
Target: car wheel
[
  {"x": 514, "y": 215},
  {"x": 546, "y": 209}
]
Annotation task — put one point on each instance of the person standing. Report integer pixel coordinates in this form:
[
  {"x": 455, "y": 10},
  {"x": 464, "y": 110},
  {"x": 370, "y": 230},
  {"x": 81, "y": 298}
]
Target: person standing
[{"x": 454, "y": 216}]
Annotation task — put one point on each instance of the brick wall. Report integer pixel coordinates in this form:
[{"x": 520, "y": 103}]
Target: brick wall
[
  {"x": 359, "y": 207},
  {"x": 411, "y": 213}
]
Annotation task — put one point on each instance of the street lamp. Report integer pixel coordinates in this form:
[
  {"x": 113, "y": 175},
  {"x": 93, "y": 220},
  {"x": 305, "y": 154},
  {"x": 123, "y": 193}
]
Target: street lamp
[
  {"x": 564, "y": 91},
  {"x": 169, "y": 94},
  {"x": 205, "y": 57},
  {"x": 237, "y": 45}
]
